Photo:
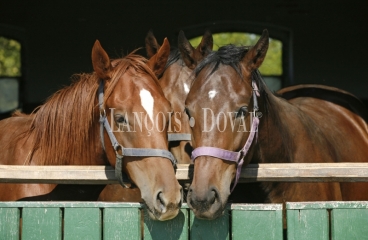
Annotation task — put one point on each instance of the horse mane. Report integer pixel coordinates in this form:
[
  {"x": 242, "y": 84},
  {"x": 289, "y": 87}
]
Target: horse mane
[{"x": 64, "y": 128}]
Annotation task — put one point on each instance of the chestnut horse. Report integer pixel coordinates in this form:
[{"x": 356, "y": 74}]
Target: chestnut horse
[
  {"x": 175, "y": 83},
  {"x": 67, "y": 130},
  {"x": 238, "y": 120}
]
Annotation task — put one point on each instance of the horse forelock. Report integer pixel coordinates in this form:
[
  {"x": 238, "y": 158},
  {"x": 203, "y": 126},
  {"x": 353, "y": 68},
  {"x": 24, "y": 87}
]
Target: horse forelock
[
  {"x": 174, "y": 57},
  {"x": 228, "y": 55},
  {"x": 65, "y": 128}
]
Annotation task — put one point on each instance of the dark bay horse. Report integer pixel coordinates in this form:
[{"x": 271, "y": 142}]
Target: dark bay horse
[
  {"x": 66, "y": 130},
  {"x": 175, "y": 83},
  {"x": 326, "y": 93},
  {"x": 239, "y": 120}
]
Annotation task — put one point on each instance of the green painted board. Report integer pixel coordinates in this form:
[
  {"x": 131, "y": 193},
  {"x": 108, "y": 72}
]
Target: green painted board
[
  {"x": 307, "y": 224},
  {"x": 99, "y": 220},
  {"x": 211, "y": 230},
  {"x": 327, "y": 205},
  {"x": 121, "y": 223},
  {"x": 257, "y": 221},
  {"x": 82, "y": 223},
  {"x": 9, "y": 223},
  {"x": 349, "y": 224},
  {"x": 176, "y": 228},
  {"x": 41, "y": 223}
]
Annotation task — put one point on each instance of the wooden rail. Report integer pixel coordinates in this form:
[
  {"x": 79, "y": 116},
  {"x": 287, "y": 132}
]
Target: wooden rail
[{"x": 285, "y": 172}]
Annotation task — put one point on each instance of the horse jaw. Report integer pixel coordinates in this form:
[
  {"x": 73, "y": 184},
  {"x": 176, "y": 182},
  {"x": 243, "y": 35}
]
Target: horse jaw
[{"x": 160, "y": 191}]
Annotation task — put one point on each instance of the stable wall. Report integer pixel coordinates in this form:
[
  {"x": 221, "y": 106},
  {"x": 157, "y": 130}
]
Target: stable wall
[{"x": 329, "y": 37}]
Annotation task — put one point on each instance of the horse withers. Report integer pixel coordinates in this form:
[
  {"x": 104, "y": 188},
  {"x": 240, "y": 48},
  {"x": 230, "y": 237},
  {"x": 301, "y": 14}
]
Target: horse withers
[
  {"x": 111, "y": 116},
  {"x": 239, "y": 120}
]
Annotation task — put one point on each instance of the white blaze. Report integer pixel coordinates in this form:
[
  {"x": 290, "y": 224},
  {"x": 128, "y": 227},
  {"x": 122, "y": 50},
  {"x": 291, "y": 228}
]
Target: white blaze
[
  {"x": 212, "y": 94},
  {"x": 147, "y": 102},
  {"x": 186, "y": 88}
]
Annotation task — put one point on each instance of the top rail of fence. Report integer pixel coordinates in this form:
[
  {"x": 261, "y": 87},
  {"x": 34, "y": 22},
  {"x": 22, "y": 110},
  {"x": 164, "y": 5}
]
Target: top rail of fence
[{"x": 282, "y": 172}]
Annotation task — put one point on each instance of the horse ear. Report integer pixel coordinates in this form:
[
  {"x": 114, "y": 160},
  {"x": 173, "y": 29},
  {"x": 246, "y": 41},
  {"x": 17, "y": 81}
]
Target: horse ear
[
  {"x": 191, "y": 56},
  {"x": 255, "y": 56},
  {"x": 101, "y": 61},
  {"x": 158, "y": 61},
  {"x": 151, "y": 44},
  {"x": 186, "y": 51},
  {"x": 206, "y": 45}
]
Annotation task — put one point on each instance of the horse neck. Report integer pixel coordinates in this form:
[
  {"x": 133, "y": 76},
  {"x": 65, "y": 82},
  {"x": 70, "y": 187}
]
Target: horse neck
[
  {"x": 289, "y": 134},
  {"x": 274, "y": 142}
]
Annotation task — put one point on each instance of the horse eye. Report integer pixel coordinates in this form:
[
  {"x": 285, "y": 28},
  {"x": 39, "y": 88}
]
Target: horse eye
[
  {"x": 119, "y": 118},
  {"x": 242, "y": 112}
]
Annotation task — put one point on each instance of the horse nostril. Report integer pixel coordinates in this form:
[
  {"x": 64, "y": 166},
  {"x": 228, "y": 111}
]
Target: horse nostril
[
  {"x": 160, "y": 200},
  {"x": 213, "y": 196}
]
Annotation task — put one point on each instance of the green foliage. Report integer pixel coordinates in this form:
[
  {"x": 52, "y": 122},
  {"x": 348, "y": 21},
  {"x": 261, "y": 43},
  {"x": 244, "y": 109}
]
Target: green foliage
[
  {"x": 10, "y": 59},
  {"x": 272, "y": 64}
]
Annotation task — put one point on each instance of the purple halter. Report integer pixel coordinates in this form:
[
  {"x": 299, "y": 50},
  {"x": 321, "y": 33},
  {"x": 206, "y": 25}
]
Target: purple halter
[{"x": 237, "y": 157}]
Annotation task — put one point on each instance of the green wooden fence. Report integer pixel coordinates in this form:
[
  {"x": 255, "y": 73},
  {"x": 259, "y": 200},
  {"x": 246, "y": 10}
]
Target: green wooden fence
[
  {"x": 327, "y": 220},
  {"x": 102, "y": 220}
]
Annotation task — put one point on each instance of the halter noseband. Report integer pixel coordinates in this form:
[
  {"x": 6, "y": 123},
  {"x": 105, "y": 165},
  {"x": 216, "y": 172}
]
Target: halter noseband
[
  {"x": 131, "y": 152},
  {"x": 237, "y": 157},
  {"x": 179, "y": 137}
]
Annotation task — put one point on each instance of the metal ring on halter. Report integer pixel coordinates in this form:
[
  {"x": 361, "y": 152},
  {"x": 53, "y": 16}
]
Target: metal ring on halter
[
  {"x": 241, "y": 155},
  {"x": 117, "y": 151},
  {"x": 102, "y": 112}
]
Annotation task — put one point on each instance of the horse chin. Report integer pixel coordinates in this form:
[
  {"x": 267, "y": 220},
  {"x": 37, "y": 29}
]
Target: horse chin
[
  {"x": 163, "y": 214},
  {"x": 210, "y": 214},
  {"x": 207, "y": 210}
]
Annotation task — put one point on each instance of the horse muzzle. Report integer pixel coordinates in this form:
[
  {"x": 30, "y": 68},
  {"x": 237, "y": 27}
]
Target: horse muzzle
[{"x": 161, "y": 208}]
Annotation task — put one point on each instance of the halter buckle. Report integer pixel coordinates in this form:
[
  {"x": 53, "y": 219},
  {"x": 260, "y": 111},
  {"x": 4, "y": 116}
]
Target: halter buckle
[
  {"x": 102, "y": 113},
  {"x": 241, "y": 155},
  {"x": 116, "y": 148}
]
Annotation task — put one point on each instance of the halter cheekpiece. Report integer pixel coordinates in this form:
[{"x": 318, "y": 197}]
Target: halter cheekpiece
[
  {"x": 237, "y": 157},
  {"x": 131, "y": 152}
]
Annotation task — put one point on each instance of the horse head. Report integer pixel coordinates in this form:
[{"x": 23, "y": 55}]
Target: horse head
[
  {"x": 136, "y": 109},
  {"x": 222, "y": 105},
  {"x": 175, "y": 82}
]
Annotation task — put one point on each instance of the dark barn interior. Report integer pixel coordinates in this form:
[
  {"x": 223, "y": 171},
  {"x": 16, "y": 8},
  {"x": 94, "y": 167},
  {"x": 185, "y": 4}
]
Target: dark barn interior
[{"x": 326, "y": 41}]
